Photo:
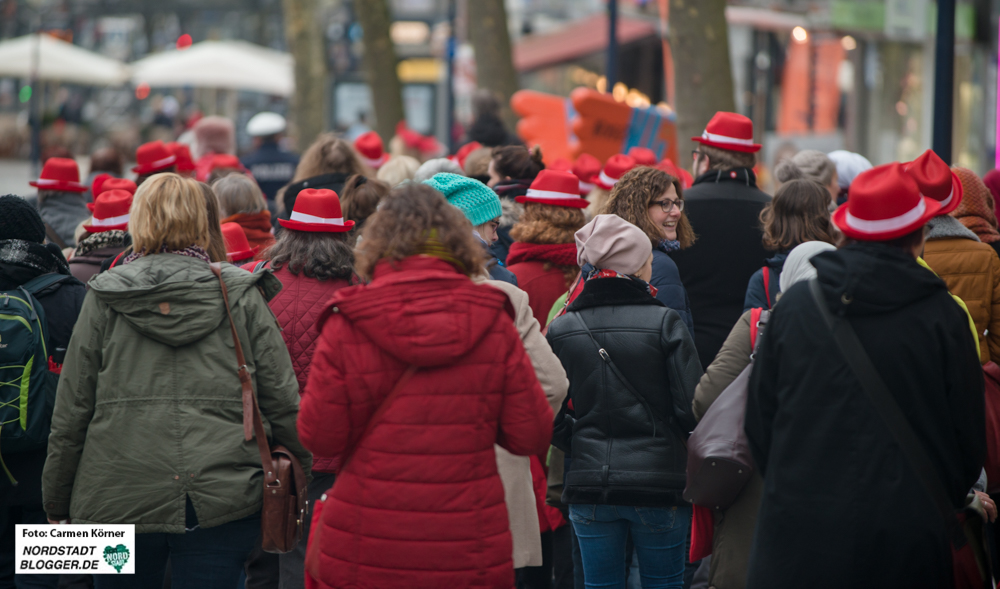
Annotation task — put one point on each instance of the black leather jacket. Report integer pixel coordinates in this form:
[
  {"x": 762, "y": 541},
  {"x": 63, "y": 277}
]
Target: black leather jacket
[{"x": 625, "y": 450}]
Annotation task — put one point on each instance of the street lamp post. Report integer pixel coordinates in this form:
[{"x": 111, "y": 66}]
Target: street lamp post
[
  {"x": 611, "y": 67},
  {"x": 944, "y": 79}
]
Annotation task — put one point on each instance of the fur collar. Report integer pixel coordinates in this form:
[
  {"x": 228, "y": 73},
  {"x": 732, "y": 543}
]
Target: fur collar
[
  {"x": 609, "y": 292},
  {"x": 511, "y": 212},
  {"x": 947, "y": 227}
]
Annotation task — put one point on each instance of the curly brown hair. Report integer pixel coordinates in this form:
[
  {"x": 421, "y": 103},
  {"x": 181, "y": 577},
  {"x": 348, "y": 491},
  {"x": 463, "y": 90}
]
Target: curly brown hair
[
  {"x": 404, "y": 221},
  {"x": 798, "y": 213},
  {"x": 360, "y": 198},
  {"x": 318, "y": 255},
  {"x": 515, "y": 161},
  {"x": 546, "y": 224},
  {"x": 632, "y": 195}
]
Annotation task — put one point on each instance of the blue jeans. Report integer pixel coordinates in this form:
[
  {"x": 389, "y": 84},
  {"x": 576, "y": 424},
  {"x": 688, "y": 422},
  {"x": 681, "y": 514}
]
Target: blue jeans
[
  {"x": 658, "y": 533},
  {"x": 204, "y": 558}
]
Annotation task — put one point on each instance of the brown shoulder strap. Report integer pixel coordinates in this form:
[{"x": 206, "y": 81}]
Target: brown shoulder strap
[
  {"x": 54, "y": 237},
  {"x": 252, "y": 423}
]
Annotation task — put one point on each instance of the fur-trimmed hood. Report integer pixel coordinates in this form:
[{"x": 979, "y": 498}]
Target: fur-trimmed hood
[{"x": 947, "y": 227}]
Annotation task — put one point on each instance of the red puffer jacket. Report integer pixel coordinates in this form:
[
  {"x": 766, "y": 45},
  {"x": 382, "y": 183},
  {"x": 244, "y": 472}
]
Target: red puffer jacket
[
  {"x": 420, "y": 504},
  {"x": 298, "y": 307}
]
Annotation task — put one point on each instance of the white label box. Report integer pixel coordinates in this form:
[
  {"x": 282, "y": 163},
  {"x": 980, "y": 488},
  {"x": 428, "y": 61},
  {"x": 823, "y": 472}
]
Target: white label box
[{"x": 75, "y": 549}]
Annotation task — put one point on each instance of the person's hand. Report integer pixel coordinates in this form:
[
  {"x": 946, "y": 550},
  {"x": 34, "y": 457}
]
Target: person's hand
[
  {"x": 66, "y": 521},
  {"x": 991, "y": 507}
]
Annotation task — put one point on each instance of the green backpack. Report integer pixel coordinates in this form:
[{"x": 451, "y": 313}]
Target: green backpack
[{"x": 27, "y": 387}]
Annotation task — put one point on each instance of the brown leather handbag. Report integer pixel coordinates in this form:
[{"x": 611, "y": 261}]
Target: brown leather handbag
[{"x": 285, "y": 499}]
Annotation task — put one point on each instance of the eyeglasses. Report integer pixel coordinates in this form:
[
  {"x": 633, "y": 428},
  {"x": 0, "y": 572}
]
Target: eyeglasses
[
  {"x": 666, "y": 205},
  {"x": 695, "y": 153}
]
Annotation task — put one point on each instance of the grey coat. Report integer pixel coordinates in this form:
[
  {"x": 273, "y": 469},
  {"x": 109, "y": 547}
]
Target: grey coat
[{"x": 63, "y": 211}]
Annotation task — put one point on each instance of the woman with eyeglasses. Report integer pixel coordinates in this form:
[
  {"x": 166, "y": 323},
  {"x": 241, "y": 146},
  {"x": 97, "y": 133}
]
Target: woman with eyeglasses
[{"x": 653, "y": 201}]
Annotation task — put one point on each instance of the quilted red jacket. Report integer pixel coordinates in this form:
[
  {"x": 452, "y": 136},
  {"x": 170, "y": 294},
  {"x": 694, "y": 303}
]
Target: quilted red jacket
[
  {"x": 298, "y": 307},
  {"x": 420, "y": 504}
]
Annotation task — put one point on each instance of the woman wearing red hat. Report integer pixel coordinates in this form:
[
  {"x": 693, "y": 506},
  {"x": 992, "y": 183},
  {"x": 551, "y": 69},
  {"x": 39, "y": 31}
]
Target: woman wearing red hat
[
  {"x": 970, "y": 268},
  {"x": 60, "y": 200},
  {"x": 837, "y": 484},
  {"x": 511, "y": 172},
  {"x": 653, "y": 201},
  {"x": 415, "y": 377},
  {"x": 153, "y": 158},
  {"x": 328, "y": 163},
  {"x": 543, "y": 255},
  {"x": 106, "y": 234},
  {"x": 241, "y": 201}
]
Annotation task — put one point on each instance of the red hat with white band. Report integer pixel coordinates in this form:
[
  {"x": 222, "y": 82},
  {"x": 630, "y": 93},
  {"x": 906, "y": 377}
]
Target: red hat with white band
[
  {"x": 587, "y": 168},
  {"x": 60, "y": 174},
  {"x": 936, "y": 180},
  {"x": 113, "y": 184},
  {"x": 237, "y": 245},
  {"x": 884, "y": 203},
  {"x": 555, "y": 188},
  {"x": 110, "y": 212},
  {"x": 317, "y": 210},
  {"x": 369, "y": 147},
  {"x": 614, "y": 169},
  {"x": 153, "y": 157},
  {"x": 731, "y": 131}
]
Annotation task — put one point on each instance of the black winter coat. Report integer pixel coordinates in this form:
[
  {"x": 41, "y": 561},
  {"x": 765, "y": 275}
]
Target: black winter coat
[
  {"x": 724, "y": 209},
  {"x": 670, "y": 289},
  {"x": 616, "y": 459},
  {"x": 841, "y": 505}
]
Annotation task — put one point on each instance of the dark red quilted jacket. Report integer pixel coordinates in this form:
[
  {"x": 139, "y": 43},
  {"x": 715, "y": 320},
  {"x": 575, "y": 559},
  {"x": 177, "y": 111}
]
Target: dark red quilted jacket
[
  {"x": 298, "y": 307},
  {"x": 420, "y": 504}
]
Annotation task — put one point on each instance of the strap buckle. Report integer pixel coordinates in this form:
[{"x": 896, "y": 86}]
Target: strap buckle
[{"x": 604, "y": 355}]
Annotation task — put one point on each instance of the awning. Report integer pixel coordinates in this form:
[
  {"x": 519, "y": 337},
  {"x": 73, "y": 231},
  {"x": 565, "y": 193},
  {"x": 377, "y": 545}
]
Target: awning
[
  {"x": 58, "y": 61},
  {"x": 579, "y": 39},
  {"x": 234, "y": 65}
]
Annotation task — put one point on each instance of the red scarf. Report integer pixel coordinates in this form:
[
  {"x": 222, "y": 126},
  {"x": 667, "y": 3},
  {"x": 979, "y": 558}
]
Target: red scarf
[
  {"x": 560, "y": 254},
  {"x": 256, "y": 226}
]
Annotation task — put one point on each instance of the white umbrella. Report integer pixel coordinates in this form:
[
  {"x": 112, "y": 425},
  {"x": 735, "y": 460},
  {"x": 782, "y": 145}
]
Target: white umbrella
[
  {"x": 234, "y": 65},
  {"x": 58, "y": 60}
]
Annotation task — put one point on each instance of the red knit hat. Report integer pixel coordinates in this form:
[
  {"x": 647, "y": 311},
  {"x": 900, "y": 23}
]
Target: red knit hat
[
  {"x": 586, "y": 168},
  {"x": 237, "y": 246},
  {"x": 110, "y": 212},
  {"x": 369, "y": 147},
  {"x": 730, "y": 131},
  {"x": 153, "y": 157},
  {"x": 464, "y": 151},
  {"x": 884, "y": 203},
  {"x": 614, "y": 169},
  {"x": 555, "y": 188},
  {"x": 60, "y": 174},
  {"x": 111, "y": 183},
  {"x": 317, "y": 209},
  {"x": 183, "y": 154},
  {"x": 936, "y": 180},
  {"x": 643, "y": 156}
]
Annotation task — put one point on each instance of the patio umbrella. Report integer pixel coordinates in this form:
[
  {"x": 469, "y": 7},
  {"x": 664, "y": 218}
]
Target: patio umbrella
[
  {"x": 234, "y": 65},
  {"x": 58, "y": 60}
]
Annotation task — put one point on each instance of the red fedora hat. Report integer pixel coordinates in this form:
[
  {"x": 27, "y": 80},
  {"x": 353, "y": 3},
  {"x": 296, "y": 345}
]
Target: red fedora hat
[
  {"x": 110, "y": 212},
  {"x": 153, "y": 157},
  {"x": 224, "y": 160},
  {"x": 60, "y": 174},
  {"x": 586, "y": 168},
  {"x": 237, "y": 246},
  {"x": 614, "y": 169},
  {"x": 884, "y": 203},
  {"x": 317, "y": 209},
  {"x": 185, "y": 163},
  {"x": 728, "y": 130},
  {"x": 643, "y": 156},
  {"x": 369, "y": 147},
  {"x": 555, "y": 188},
  {"x": 97, "y": 186},
  {"x": 936, "y": 180},
  {"x": 113, "y": 184}
]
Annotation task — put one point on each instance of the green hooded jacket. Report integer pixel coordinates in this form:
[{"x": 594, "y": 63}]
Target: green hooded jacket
[{"x": 148, "y": 409}]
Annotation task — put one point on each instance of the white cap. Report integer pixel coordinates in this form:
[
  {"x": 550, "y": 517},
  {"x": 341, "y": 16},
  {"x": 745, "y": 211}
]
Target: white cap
[{"x": 263, "y": 124}]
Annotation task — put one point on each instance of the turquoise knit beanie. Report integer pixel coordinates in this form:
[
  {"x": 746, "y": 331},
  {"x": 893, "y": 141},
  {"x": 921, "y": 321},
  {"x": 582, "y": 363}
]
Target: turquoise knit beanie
[{"x": 478, "y": 201}]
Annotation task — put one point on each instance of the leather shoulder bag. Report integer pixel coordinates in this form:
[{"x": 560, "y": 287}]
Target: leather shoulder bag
[{"x": 285, "y": 499}]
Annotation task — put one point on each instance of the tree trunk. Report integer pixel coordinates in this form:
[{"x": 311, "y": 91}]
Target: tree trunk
[
  {"x": 308, "y": 107},
  {"x": 380, "y": 64},
  {"x": 704, "y": 79},
  {"x": 494, "y": 59}
]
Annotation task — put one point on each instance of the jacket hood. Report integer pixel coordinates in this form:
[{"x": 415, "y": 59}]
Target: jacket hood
[
  {"x": 175, "y": 299},
  {"x": 421, "y": 310},
  {"x": 948, "y": 227},
  {"x": 873, "y": 278}
]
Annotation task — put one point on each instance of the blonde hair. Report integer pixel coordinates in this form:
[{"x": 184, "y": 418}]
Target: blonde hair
[
  {"x": 169, "y": 212},
  {"x": 330, "y": 154},
  {"x": 398, "y": 169},
  {"x": 238, "y": 194}
]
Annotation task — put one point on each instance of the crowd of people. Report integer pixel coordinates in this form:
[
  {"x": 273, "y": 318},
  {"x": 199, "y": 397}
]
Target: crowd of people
[{"x": 490, "y": 365}]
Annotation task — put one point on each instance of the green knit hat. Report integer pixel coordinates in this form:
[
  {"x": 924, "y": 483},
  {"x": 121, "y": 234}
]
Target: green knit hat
[{"x": 478, "y": 201}]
